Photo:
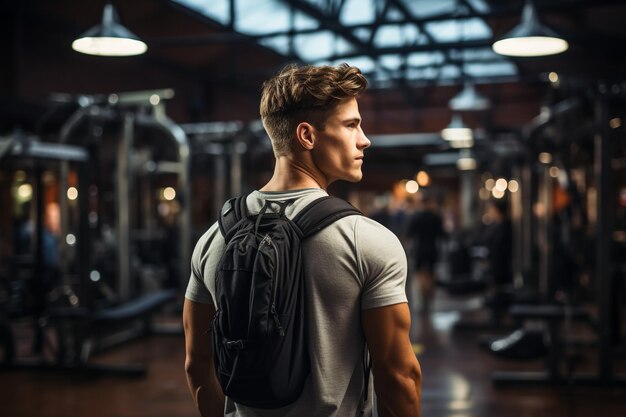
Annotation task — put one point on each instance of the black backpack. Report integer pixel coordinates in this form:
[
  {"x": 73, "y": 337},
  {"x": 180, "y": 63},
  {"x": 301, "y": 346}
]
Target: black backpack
[{"x": 259, "y": 329}]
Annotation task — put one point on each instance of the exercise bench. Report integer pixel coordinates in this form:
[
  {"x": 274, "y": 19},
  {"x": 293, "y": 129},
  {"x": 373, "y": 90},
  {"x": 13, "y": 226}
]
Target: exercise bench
[
  {"x": 77, "y": 329},
  {"x": 554, "y": 316}
]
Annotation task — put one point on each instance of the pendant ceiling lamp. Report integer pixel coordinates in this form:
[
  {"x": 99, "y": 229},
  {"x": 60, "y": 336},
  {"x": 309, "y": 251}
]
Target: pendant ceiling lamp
[
  {"x": 461, "y": 143},
  {"x": 466, "y": 161},
  {"x": 109, "y": 38},
  {"x": 457, "y": 131},
  {"x": 469, "y": 100},
  {"x": 530, "y": 38}
]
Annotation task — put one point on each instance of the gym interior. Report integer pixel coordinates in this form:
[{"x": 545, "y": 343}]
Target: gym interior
[{"x": 115, "y": 160}]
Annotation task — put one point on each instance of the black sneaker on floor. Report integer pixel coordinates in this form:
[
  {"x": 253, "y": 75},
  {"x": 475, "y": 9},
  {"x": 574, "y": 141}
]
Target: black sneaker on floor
[{"x": 521, "y": 344}]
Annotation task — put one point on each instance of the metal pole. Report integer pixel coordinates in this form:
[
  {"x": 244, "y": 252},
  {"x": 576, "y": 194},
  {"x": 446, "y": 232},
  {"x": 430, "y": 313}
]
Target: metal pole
[
  {"x": 236, "y": 151},
  {"x": 545, "y": 238},
  {"x": 40, "y": 269},
  {"x": 549, "y": 231},
  {"x": 64, "y": 169},
  {"x": 123, "y": 188},
  {"x": 219, "y": 189},
  {"x": 467, "y": 199},
  {"x": 83, "y": 243},
  {"x": 183, "y": 191},
  {"x": 602, "y": 170},
  {"x": 526, "y": 190},
  {"x": 64, "y": 172},
  {"x": 517, "y": 225}
]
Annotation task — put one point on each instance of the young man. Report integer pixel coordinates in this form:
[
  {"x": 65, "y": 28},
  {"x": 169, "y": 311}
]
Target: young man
[
  {"x": 355, "y": 269},
  {"x": 425, "y": 229}
]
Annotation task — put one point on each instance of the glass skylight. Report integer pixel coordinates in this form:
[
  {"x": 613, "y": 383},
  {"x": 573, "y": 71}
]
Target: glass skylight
[
  {"x": 458, "y": 30},
  {"x": 277, "y": 43},
  {"x": 479, "y": 5},
  {"x": 321, "y": 42},
  {"x": 422, "y": 59},
  {"x": 258, "y": 17},
  {"x": 391, "y": 62},
  {"x": 395, "y": 35},
  {"x": 364, "y": 63},
  {"x": 490, "y": 69},
  {"x": 217, "y": 10},
  {"x": 357, "y": 11},
  {"x": 426, "y": 8},
  {"x": 320, "y": 45}
]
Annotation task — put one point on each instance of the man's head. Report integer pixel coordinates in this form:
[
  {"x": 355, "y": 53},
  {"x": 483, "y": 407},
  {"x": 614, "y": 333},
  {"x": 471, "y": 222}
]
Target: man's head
[{"x": 305, "y": 94}]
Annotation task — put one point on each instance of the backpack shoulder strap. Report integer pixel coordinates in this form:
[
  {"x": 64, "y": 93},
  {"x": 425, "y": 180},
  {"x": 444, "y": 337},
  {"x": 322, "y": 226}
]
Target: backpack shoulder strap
[
  {"x": 321, "y": 213},
  {"x": 233, "y": 210}
]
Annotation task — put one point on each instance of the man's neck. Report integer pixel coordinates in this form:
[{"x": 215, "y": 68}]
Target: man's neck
[{"x": 292, "y": 174}]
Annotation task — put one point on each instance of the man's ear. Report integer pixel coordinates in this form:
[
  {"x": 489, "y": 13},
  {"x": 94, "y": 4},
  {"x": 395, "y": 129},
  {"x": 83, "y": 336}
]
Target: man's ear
[{"x": 305, "y": 134}]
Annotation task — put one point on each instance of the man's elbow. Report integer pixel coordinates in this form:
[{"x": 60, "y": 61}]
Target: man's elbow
[
  {"x": 403, "y": 384},
  {"x": 191, "y": 371},
  {"x": 190, "y": 365},
  {"x": 409, "y": 381},
  {"x": 196, "y": 369}
]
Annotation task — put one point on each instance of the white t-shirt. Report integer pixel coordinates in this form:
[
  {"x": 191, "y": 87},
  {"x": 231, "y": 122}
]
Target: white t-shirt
[{"x": 352, "y": 265}]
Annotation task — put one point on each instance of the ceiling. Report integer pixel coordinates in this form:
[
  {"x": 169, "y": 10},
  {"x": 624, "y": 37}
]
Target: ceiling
[
  {"x": 388, "y": 40},
  {"x": 417, "y": 41},
  {"x": 416, "y": 54}
]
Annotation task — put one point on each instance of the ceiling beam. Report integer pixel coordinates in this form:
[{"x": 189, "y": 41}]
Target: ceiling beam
[
  {"x": 330, "y": 22},
  {"x": 500, "y": 11},
  {"x": 380, "y": 16},
  {"x": 410, "y": 96},
  {"x": 227, "y": 36},
  {"x": 420, "y": 27},
  {"x": 445, "y": 46},
  {"x": 219, "y": 77}
]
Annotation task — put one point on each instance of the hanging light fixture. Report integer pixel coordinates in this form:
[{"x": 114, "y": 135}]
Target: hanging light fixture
[
  {"x": 109, "y": 38},
  {"x": 469, "y": 100},
  {"x": 530, "y": 37},
  {"x": 457, "y": 131},
  {"x": 466, "y": 161},
  {"x": 461, "y": 143}
]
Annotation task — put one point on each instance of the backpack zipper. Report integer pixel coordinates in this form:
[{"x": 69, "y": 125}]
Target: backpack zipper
[{"x": 268, "y": 240}]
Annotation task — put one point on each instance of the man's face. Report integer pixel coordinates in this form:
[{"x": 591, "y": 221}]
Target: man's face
[{"x": 338, "y": 150}]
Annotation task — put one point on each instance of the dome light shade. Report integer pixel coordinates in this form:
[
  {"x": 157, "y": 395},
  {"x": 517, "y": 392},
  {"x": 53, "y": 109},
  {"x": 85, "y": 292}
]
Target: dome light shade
[
  {"x": 461, "y": 143},
  {"x": 109, "y": 38},
  {"x": 469, "y": 100},
  {"x": 466, "y": 161},
  {"x": 457, "y": 131},
  {"x": 530, "y": 38}
]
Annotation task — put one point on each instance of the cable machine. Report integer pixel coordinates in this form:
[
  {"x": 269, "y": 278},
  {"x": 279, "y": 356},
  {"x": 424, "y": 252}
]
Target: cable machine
[
  {"x": 31, "y": 279},
  {"x": 133, "y": 111},
  {"x": 139, "y": 154},
  {"x": 227, "y": 145},
  {"x": 573, "y": 146}
]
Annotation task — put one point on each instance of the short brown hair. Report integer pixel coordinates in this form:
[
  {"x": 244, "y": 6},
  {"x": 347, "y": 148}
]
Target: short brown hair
[{"x": 307, "y": 93}]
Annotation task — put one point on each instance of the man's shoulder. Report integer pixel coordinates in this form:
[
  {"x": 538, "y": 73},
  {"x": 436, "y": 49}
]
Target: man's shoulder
[
  {"x": 207, "y": 239},
  {"x": 368, "y": 232}
]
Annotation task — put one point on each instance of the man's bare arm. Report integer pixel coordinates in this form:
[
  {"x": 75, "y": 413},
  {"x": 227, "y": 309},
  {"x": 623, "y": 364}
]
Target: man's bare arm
[
  {"x": 199, "y": 366},
  {"x": 397, "y": 373}
]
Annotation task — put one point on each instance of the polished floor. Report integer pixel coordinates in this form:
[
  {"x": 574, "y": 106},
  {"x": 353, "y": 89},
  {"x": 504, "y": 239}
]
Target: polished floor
[{"x": 457, "y": 380}]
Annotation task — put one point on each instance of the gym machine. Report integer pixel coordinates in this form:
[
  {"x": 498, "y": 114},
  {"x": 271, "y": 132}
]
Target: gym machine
[
  {"x": 565, "y": 125},
  {"x": 136, "y": 110},
  {"x": 83, "y": 327},
  {"x": 230, "y": 148},
  {"x": 31, "y": 273}
]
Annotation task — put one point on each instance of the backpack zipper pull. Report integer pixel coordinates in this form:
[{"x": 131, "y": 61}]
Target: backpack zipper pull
[
  {"x": 279, "y": 326},
  {"x": 266, "y": 240}
]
